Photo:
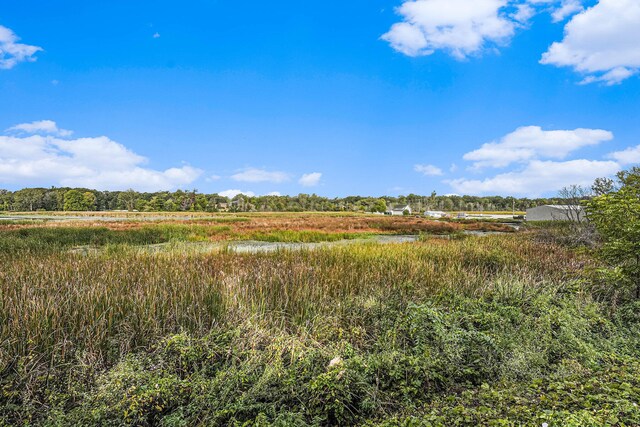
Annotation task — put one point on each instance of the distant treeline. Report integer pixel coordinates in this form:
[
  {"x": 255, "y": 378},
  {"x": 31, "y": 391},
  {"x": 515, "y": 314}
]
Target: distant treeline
[{"x": 84, "y": 199}]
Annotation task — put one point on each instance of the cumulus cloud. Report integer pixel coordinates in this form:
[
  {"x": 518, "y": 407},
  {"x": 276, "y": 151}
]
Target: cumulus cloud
[
  {"x": 629, "y": 156},
  {"x": 467, "y": 27},
  {"x": 538, "y": 178},
  {"x": 535, "y": 162},
  {"x": 40, "y": 127},
  {"x": 601, "y": 42},
  {"x": 428, "y": 170},
  {"x": 98, "y": 162},
  {"x": 233, "y": 193},
  {"x": 310, "y": 179},
  {"x": 260, "y": 175},
  {"x": 532, "y": 142},
  {"x": 460, "y": 27},
  {"x": 12, "y": 52}
]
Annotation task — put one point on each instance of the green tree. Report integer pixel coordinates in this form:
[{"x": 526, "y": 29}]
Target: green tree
[
  {"x": 127, "y": 199},
  {"x": 380, "y": 205},
  {"x": 156, "y": 204},
  {"x": 29, "y": 199},
  {"x": 201, "y": 202},
  {"x": 616, "y": 217},
  {"x": 89, "y": 201},
  {"x": 141, "y": 205},
  {"x": 432, "y": 200},
  {"x": 5, "y": 200},
  {"x": 603, "y": 186},
  {"x": 73, "y": 201},
  {"x": 170, "y": 206}
]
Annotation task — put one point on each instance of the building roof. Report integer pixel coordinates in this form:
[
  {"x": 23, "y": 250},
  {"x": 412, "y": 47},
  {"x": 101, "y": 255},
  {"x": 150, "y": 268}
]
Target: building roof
[
  {"x": 400, "y": 207},
  {"x": 562, "y": 207}
]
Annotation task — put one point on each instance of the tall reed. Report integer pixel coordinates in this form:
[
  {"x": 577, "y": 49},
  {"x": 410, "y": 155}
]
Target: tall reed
[{"x": 59, "y": 305}]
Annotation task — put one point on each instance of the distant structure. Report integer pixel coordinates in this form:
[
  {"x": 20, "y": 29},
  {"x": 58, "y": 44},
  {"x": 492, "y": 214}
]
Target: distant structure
[
  {"x": 435, "y": 214},
  {"x": 556, "y": 213},
  {"x": 399, "y": 210}
]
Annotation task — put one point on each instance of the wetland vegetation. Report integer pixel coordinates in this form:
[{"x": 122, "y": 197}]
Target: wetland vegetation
[{"x": 505, "y": 329}]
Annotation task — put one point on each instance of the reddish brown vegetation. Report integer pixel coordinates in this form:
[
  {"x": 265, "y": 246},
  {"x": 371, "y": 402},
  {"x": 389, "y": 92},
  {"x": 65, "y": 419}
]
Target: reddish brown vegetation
[{"x": 293, "y": 222}]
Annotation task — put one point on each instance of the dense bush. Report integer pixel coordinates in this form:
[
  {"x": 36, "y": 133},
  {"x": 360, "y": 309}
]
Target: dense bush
[{"x": 460, "y": 362}]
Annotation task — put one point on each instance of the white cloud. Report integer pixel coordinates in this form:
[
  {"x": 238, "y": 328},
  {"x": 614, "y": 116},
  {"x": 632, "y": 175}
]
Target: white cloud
[
  {"x": 524, "y": 12},
  {"x": 467, "y": 27},
  {"x": 601, "y": 42},
  {"x": 260, "y": 175},
  {"x": 156, "y": 35},
  {"x": 40, "y": 127},
  {"x": 532, "y": 142},
  {"x": 142, "y": 179},
  {"x": 428, "y": 170},
  {"x": 538, "y": 178},
  {"x": 310, "y": 179},
  {"x": 460, "y": 27},
  {"x": 559, "y": 9},
  {"x": 538, "y": 162},
  {"x": 97, "y": 162},
  {"x": 274, "y": 193},
  {"x": 567, "y": 8},
  {"x": 12, "y": 52},
  {"x": 233, "y": 193},
  {"x": 629, "y": 156}
]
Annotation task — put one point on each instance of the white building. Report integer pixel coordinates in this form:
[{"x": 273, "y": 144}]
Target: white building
[
  {"x": 556, "y": 213},
  {"x": 435, "y": 214},
  {"x": 399, "y": 210}
]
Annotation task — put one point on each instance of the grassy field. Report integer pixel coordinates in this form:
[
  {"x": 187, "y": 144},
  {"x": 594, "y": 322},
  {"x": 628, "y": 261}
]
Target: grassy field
[{"x": 501, "y": 330}]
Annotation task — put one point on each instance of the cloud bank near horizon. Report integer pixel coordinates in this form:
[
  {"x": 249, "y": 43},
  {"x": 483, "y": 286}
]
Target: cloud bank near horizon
[
  {"x": 532, "y": 162},
  {"x": 40, "y": 153}
]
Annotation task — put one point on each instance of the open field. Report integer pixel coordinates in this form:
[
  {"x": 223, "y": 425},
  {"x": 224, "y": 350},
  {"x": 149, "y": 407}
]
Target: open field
[{"x": 503, "y": 329}]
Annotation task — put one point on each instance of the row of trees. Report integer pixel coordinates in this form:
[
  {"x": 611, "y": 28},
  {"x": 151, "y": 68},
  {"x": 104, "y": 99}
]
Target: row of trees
[{"x": 83, "y": 199}]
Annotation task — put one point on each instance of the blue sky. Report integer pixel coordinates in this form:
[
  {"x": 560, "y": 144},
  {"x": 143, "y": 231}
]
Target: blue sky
[{"x": 510, "y": 97}]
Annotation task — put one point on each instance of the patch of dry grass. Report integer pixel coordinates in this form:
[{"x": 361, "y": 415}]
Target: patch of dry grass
[{"x": 267, "y": 223}]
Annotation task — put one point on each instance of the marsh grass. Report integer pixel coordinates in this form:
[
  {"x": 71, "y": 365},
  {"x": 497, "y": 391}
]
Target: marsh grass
[
  {"x": 57, "y": 305},
  {"x": 55, "y": 238},
  {"x": 304, "y": 236},
  {"x": 179, "y": 337},
  {"x": 52, "y": 239}
]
